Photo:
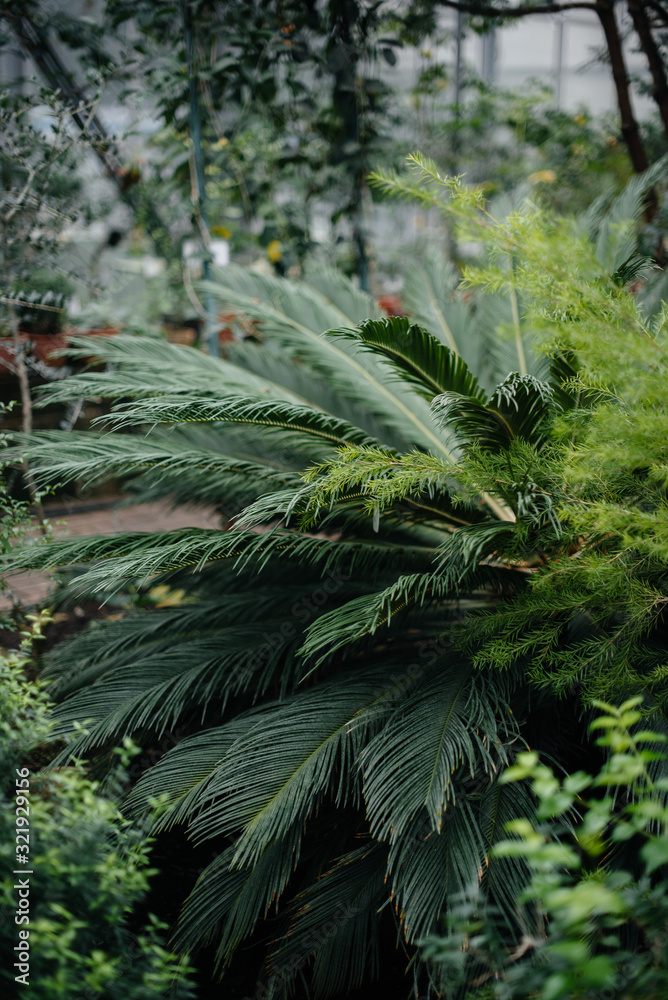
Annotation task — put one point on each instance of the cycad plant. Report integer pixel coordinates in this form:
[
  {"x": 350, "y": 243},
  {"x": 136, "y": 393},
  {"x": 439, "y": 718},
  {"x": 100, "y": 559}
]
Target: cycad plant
[{"x": 409, "y": 582}]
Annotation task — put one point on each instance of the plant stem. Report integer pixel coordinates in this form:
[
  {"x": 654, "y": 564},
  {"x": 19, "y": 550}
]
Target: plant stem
[{"x": 26, "y": 414}]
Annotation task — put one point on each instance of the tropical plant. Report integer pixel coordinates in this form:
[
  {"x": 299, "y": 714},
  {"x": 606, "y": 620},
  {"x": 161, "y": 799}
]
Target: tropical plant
[
  {"x": 588, "y": 928},
  {"x": 14, "y": 521},
  {"x": 402, "y": 518}
]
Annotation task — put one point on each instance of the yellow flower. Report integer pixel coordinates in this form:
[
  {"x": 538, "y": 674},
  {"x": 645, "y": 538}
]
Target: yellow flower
[
  {"x": 580, "y": 119},
  {"x": 274, "y": 251},
  {"x": 221, "y": 231},
  {"x": 543, "y": 177},
  {"x": 221, "y": 143}
]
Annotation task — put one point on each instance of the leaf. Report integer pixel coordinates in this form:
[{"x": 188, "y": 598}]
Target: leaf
[
  {"x": 277, "y": 774},
  {"x": 298, "y": 317},
  {"x": 415, "y": 356},
  {"x": 445, "y": 726},
  {"x": 227, "y": 901},
  {"x": 654, "y": 853},
  {"x": 516, "y": 409},
  {"x": 335, "y": 920}
]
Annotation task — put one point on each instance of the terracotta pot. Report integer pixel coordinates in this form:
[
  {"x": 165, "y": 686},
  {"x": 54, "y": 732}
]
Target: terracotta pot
[
  {"x": 391, "y": 304},
  {"x": 181, "y": 335},
  {"x": 43, "y": 345}
]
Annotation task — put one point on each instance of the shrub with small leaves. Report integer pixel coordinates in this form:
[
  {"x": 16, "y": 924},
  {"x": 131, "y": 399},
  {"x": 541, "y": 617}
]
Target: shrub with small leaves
[
  {"x": 593, "y": 920},
  {"x": 85, "y": 869}
]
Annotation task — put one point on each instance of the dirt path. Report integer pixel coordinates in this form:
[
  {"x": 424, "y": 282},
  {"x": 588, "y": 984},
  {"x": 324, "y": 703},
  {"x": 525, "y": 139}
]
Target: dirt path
[{"x": 33, "y": 588}]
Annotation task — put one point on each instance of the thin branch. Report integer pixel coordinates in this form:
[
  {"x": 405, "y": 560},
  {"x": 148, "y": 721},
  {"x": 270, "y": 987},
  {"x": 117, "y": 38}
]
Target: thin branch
[
  {"x": 30, "y": 305},
  {"x": 485, "y": 10},
  {"x": 9, "y": 215}
]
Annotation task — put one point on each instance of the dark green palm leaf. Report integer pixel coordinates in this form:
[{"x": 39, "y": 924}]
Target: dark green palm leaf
[
  {"x": 335, "y": 921},
  {"x": 516, "y": 409},
  {"x": 452, "y": 721},
  {"x": 415, "y": 356}
]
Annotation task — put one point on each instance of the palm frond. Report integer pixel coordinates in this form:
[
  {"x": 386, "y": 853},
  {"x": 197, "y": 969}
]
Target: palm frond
[
  {"x": 272, "y": 414},
  {"x": 462, "y": 552},
  {"x": 341, "y": 294},
  {"x": 277, "y": 775},
  {"x": 91, "y": 458},
  {"x": 454, "y": 720},
  {"x": 142, "y": 366},
  {"x": 428, "y": 295},
  {"x": 297, "y": 317},
  {"x": 129, "y": 557},
  {"x": 612, "y": 226},
  {"x": 517, "y": 409},
  {"x": 335, "y": 921},
  {"x": 183, "y": 774},
  {"x": 433, "y": 867},
  {"x": 504, "y": 878},
  {"x": 415, "y": 356},
  {"x": 159, "y": 689},
  {"x": 362, "y": 616},
  {"x": 228, "y": 901},
  {"x": 269, "y": 360},
  {"x": 506, "y": 340}
]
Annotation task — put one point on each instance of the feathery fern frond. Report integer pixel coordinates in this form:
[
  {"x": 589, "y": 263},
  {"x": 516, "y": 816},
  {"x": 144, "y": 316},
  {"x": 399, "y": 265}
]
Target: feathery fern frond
[{"x": 427, "y": 185}]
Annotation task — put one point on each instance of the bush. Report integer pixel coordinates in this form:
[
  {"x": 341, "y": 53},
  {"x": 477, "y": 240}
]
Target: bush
[
  {"x": 66, "y": 910},
  {"x": 588, "y": 929}
]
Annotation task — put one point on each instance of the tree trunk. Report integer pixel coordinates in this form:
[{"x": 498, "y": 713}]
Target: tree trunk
[
  {"x": 654, "y": 60},
  {"x": 630, "y": 130}
]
